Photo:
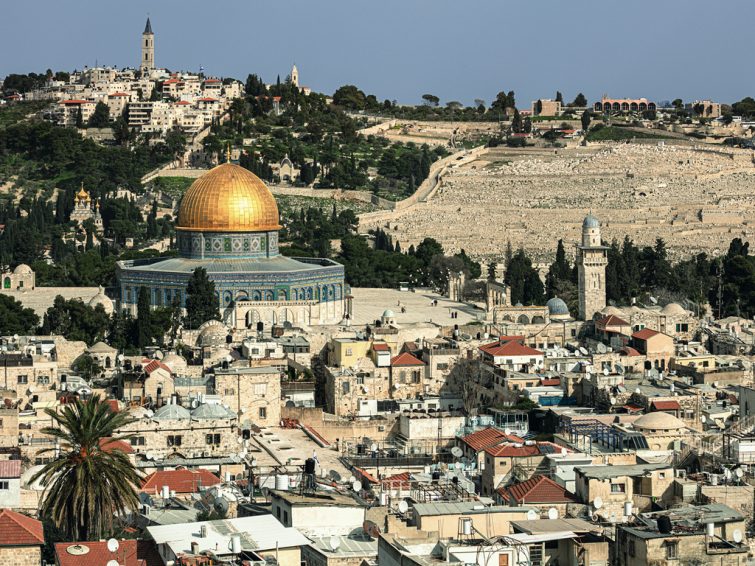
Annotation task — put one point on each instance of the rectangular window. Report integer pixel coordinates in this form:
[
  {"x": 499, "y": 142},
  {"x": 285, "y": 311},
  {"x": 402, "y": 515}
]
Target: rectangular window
[
  {"x": 442, "y": 367},
  {"x": 345, "y": 387},
  {"x": 672, "y": 550},
  {"x": 174, "y": 440},
  {"x": 260, "y": 389},
  {"x": 415, "y": 377},
  {"x": 348, "y": 351},
  {"x": 137, "y": 441},
  {"x": 4, "y": 485},
  {"x": 229, "y": 391},
  {"x": 360, "y": 379},
  {"x": 618, "y": 488},
  {"x": 23, "y": 379},
  {"x": 263, "y": 412}
]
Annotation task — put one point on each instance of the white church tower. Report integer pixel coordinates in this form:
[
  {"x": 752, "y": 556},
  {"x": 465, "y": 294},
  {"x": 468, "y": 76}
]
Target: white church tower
[
  {"x": 592, "y": 258},
  {"x": 295, "y": 76},
  {"x": 147, "y": 64}
]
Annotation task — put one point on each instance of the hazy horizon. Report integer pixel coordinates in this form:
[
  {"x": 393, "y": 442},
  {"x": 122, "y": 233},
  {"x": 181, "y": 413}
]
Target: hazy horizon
[{"x": 401, "y": 50}]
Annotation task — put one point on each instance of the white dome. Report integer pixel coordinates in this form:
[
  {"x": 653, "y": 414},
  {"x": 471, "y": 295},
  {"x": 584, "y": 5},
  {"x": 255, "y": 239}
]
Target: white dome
[
  {"x": 674, "y": 309},
  {"x": 658, "y": 421},
  {"x": 102, "y": 299},
  {"x": 388, "y": 313},
  {"x": 22, "y": 269}
]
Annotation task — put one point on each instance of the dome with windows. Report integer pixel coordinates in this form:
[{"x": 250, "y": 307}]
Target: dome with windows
[{"x": 557, "y": 308}]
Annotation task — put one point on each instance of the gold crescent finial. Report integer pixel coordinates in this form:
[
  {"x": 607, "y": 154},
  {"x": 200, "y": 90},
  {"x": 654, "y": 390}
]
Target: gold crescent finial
[{"x": 228, "y": 153}]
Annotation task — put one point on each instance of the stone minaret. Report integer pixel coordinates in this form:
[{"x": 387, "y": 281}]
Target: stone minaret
[
  {"x": 592, "y": 258},
  {"x": 148, "y": 50},
  {"x": 295, "y": 76}
]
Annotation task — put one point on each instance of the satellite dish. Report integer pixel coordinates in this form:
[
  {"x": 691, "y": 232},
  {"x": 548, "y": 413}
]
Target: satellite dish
[
  {"x": 583, "y": 351},
  {"x": 357, "y": 485},
  {"x": 606, "y": 372},
  {"x": 334, "y": 543},
  {"x": 638, "y": 391},
  {"x": 113, "y": 563},
  {"x": 403, "y": 506},
  {"x": 532, "y": 515},
  {"x": 352, "y": 479},
  {"x": 112, "y": 545},
  {"x": 457, "y": 452},
  {"x": 334, "y": 475},
  {"x": 727, "y": 473},
  {"x": 702, "y": 418},
  {"x": 737, "y": 536},
  {"x": 553, "y": 513},
  {"x": 597, "y": 502},
  {"x": 564, "y": 451},
  {"x": 373, "y": 447},
  {"x": 458, "y": 465},
  {"x": 613, "y": 400},
  {"x": 507, "y": 431},
  {"x": 738, "y": 472}
]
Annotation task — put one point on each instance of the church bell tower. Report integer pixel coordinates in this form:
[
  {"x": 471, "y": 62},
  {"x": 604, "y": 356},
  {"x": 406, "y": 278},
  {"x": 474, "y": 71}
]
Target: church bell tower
[
  {"x": 148, "y": 51},
  {"x": 592, "y": 258}
]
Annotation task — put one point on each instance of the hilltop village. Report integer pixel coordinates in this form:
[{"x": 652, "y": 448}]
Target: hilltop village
[{"x": 251, "y": 353}]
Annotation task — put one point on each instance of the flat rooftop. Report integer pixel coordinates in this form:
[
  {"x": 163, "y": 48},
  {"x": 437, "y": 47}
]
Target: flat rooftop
[
  {"x": 607, "y": 472},
  {"x": 370, "y": 303}
]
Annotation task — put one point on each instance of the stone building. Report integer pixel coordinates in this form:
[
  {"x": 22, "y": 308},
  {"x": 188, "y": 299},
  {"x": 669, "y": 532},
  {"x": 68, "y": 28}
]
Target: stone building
[
  {"x": 173, "y": 432},
  {"x": 21, "y": 539},
  {"x": 608, "y": 105},
  {"x": 21, "y": 278},
  {"x": 253, "y": 393},
  {"x": 546, "y": 107},
  {"x": 592, "y": 259}
]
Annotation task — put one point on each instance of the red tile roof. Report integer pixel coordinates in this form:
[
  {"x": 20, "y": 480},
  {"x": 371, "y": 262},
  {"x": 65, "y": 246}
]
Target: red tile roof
[
  {"x": 550, "y": 382},
  {"x": 398, "y": 481},
  {"x": 512, "y": 451},
  {"x": 406, "y": 359},
  {"x": 10, "y": 468},
  {"x": 108, "y": 444},
  {"x": 74, "y": 101},
  {"x": 537, "y": 489},
  {"x": 118, "y": 94},
  {"x": 381, "y": 347},
  {"x": 98, "y": 555},
  {"x": 212, "y": 80},
  {"x": 183, "y": 102},
  {"x": 666, "y": 405},
  {"x": 629, "y": 351},
  {"x": 632, "y": 408},
  {"x": 612, "y": 320},
  {"x": 506, "y": 349},
  {"x": 365, "y": 475},
  {"x": 207, "y": 99},
  {"x": 180, "y": 481},
  {"x": 645, "y": 334},
  {"x": 153, "y": 365},
  {"x": 19, "y": 530},
  {"x": 487, "y": 437}
]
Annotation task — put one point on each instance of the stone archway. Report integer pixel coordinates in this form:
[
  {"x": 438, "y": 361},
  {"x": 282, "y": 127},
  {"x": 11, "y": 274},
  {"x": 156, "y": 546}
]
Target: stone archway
[
  {"x": 251, "y": 318},
  {"x": 538, "y": 320},
  {"x": 523, "y": 319}
]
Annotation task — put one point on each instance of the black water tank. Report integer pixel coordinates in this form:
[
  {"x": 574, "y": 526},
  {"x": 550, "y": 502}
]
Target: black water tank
[
  {"x": 309, "y": 466},
  {"x": 664, "y": 524}
]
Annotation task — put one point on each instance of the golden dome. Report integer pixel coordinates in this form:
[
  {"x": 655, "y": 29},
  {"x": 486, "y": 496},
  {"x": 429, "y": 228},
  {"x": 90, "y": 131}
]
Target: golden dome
[{"x": 228, "y": 198}]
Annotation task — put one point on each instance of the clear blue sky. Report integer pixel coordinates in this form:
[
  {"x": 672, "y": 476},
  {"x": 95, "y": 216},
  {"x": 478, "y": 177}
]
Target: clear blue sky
[{"x": 400, "y": 49}]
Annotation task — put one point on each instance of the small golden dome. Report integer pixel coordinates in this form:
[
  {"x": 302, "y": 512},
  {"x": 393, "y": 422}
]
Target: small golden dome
[{"x": 228, "y": 198}]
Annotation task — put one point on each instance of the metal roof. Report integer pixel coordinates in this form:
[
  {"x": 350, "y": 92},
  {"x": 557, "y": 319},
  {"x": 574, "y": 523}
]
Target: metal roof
[{"x": 463, "y": 507}]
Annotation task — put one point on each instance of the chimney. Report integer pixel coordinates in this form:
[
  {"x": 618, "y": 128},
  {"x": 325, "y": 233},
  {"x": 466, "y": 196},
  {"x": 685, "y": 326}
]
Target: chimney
[{"x": 194, "y": 548}]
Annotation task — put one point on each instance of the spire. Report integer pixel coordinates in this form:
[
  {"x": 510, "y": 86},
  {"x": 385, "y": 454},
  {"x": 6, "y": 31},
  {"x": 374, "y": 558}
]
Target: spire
[
  {"x": 228, "y": 153},
  {"x": 148, "y": 27}
]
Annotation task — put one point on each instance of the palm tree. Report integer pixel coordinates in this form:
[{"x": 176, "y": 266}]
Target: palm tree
[{"x": 90, "y": 480}]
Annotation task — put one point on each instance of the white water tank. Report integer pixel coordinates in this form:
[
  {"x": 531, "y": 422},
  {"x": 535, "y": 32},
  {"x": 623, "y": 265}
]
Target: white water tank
[
  {"x": 282, "y": 482},
  {"x": 628, "y": 509},
  {"x": 710, "y": 529},
  {"x": 236, "y": 544},
  {"x": 466, "y": 526},
  {"x": 166, "y": 492}
]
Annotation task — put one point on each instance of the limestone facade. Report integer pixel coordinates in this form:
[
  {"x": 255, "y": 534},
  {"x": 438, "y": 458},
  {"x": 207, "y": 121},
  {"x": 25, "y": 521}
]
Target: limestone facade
[{"x": 592, "y": 259}]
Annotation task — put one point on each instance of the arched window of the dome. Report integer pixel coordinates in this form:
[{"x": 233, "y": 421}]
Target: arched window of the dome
[
  {"x": 268, "y": 295},
  {"x": 309, "y": 293},
  {"x": 282, "y": 295},
  {"x": 242, "y": 296},
  {"x": 256, "y": 295}
]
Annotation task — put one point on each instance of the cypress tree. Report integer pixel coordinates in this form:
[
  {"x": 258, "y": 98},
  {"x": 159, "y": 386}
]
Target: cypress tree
[
  {"x": 201, "y": 303},
  {"x": 144, "y": 318}
]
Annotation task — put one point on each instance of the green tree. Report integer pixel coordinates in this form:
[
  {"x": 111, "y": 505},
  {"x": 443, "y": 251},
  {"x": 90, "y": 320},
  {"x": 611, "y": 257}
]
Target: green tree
[
  {"x": 143, "y": 318},
  {"x": 89, "y": 480},
  {"x": 677, "y": 103},
  {"x": 559, "y": 97},
  {"x": 87, "y": 366},
  {"x": 431, "y": 100},
  {"x": 580, "y": 101},
  {"x": 516, "y": 122},
  {"x": 15, "y": 318},
  {"x": 201, "y": 302},
  {"x": 585, "y": 119},
  {"x": 100, "y": 118}
]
